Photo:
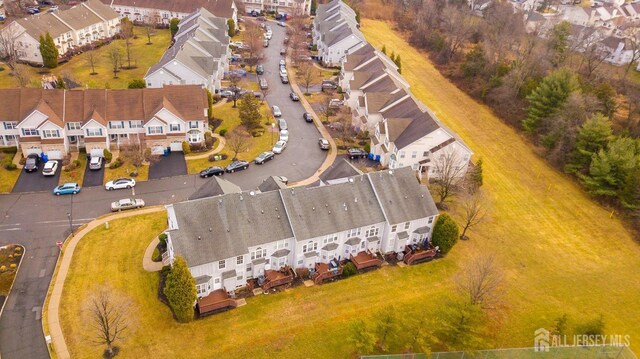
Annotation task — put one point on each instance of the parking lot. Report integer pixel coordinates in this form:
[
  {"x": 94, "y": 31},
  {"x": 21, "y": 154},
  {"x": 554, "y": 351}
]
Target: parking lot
[
  {"x": 168, "y": 166},
  {"x": 35, "y": 181}
]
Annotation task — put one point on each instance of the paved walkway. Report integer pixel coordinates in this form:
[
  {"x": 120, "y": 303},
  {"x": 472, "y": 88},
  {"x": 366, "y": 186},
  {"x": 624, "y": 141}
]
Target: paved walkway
[
  {"x": 52, "y": 314},
  {"x": 147, "y": 260},
  {"x": 333, "y": 151},
  {"x": 221, "y": 143}
]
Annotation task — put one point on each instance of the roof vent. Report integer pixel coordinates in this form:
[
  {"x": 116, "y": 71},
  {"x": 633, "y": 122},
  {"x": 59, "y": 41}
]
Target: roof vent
[
  {"x": 210, "y": 229},
  {"x": 405, "y": 197},
  {"x": 228, "y": 230},
  {"x": 241, "y": 197},
  {"x": 329, "y": 211},
  {"x": 421, "y": 196},
  {"x": 199, "y": 238},
  {"x": 355, "y": 200},
  {"x": 276, "y": 209},
  {"x": 252, "y": 193},
  {"x": 220, "y": 201},
  {"x": 390, "y": 172},
  {"x": 262, "y": 211},
  {"x": 278, "y": 216},
  {"x": 351, "y": 180},
  {"x": 326, "y": 205}
]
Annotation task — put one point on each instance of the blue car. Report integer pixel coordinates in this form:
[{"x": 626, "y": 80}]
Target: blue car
[{"x": 67, "y": 188}]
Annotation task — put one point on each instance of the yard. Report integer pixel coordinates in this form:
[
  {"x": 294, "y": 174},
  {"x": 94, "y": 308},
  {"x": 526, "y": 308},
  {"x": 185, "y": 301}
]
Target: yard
[
  {"x": 76, "y": 175},
  {"x": 78, "y": 69},
  {"x": 8, "y": 179},
  {"x": 125, "y": 171}
]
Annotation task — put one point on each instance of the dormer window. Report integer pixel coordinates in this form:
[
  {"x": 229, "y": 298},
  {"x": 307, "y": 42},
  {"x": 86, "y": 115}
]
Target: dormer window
[
  {"x": 154, "y": 130},
  {"x": 50, "y": 133},
  {"x": 29, "y": 132},
  {"x": 94, "y": 132}
]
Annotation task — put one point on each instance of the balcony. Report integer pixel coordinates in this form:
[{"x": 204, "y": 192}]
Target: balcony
[
  {"x": 324, "y": 272},
  {"x": 216, "y": 302},
  {"x": 365, "y": 261},
  {"x": 416, "y": 254},
  {"x": 277, "y": 278}
]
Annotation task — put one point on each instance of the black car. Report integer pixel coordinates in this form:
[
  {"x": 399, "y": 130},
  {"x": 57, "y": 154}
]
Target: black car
[
  {"x": 32, "y": 163},
  {"x": 212, "y": 171},
  {"x": 237, "y": 166},
  {"x": 264, "y": 157},
  {"x": 294, "y": 97},
  {"x": 307, "y": 117},
  {"x": 260, "y": 69},
  {"x": 356, "y": 153}
]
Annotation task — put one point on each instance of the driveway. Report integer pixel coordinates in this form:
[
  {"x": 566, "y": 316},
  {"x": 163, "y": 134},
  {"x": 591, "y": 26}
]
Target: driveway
[
  {"x": 35, "y": 181},
  {"x": 168, "y": 166},
  {"x": 93, "y": 178}
]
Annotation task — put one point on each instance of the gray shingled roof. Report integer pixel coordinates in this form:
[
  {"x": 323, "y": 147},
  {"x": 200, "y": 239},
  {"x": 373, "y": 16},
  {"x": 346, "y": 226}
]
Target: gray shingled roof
[
  {"x": 318, "y": 211},
  {"x": 227, "y": 225},
  {"x": 330, "y": 247},
  {"x": 401, "y": 196},
  {"x": 339, "y": 169},
  {"x": 215, "y": 186},
  {"x": 271, "y": 184}
]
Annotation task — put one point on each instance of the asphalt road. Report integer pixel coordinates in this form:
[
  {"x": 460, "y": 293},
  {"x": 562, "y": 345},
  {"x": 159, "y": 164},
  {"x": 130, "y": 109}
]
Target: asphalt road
[
  {"x": 38, "y": 220},
  {"x": 35, "y": 181}
]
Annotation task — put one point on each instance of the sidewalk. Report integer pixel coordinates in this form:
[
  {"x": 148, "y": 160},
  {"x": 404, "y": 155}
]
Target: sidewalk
[
  {"x": 221, "y": 143},
  {"x": 333, "y": 151},
  {"x": 147, "y": 262},
  {"x": 52, "y": 311}
]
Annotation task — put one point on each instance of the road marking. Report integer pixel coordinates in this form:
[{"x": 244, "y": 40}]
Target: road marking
[
  {"x": 42, "y": 272},
  {"x": 66, "y": 220},
  {"x": 10, "y": 229},
  {"x": 38, "y": 311}
]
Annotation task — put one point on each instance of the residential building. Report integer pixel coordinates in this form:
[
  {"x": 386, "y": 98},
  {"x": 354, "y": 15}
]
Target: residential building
[
  {"x": 618, "y": 51},
  {"x": 80, "y": 25},
  {"x": 55, "y": 122},
  {"x": 162, "y": 11},
  {"x": 335, "y": 32},
  {"x": 231, "y": 238},
  {"x": 286, "y": 7},
  {"x": 198, "y": 55}
]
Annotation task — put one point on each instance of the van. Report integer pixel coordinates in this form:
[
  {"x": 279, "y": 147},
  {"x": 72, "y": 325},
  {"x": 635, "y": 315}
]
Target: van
[{"x": 263, "y": 84}]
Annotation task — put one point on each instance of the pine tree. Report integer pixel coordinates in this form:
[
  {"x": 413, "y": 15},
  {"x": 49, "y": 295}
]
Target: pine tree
[
  {"x": 475, "y": 177},
  {"x": 630, "y": 194},
  {"x": 398, "y": 63},
  {"x": 232, "y": 27},
  {"x": 611, "y": 167},
  {"x": 384, "y": 49},
  {"x": 358, "y": 16},
  {"x": 173, "y": 26},
  {"x": 550, "y": 94},
  {"x": 49, "y": 51},
  {"x": 180, "y": 289},
  {"x": 249, "y": 110},
  {"x": 593, "y": 136},
  {"x": 393, "y": 56},
  {"x": 445, "y": 233}
]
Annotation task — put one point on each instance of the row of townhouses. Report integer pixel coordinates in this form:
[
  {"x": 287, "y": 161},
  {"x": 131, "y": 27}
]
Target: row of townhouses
[
  {"x": 55, "y": 122},
  {"x": 162, "y": 11},
  {"x": 80, "y": 25},
  {"x": 230, "y": 238},
  {"x": 336, "y": 32},
  {"x": 199, "y": 54},
  {"x": 283, "y": 7}
]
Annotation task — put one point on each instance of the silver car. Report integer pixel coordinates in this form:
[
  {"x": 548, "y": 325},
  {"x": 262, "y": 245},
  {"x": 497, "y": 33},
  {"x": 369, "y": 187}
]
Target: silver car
[{"x": 126, "y": 203}]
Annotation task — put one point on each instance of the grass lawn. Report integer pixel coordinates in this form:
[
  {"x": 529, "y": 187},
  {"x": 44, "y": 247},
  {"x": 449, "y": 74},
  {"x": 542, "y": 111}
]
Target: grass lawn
[
  {"x": 125, "y": 171},
  {"x": 143, "y": 56},
  {"x": 76, "y": 175},
  {"x": 563, "y": 252},
  {"x": 8, "y": 179}
]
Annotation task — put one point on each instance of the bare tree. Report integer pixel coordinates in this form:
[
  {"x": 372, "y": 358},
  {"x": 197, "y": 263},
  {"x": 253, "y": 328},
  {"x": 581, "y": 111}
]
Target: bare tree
[
  {"x": 108, "y": 319},
  {"x": 137, "y": 155},
  {"x": 265, "y": 92},
  {"x": 448, "y": 174},
  {"x": 254, "y": 44},
  {"x": 502, "y": 29},
  {"x": 344, "y": 122},
  {"x": 21, "y": 75},
  {"x": 632, "y": 42},
  {"x": 149, "y": 30},
  {"x": 459, "y": 25},
  {"x": 9, "y": 46},
  {"x": 237, "y": 142},
  {"x": 92, "y": 60},
  {"x": 325, "y": 106},
  {"x": 126, "y": 31},
  {"x": 481, "y": 281},
  {"x": 115, "y": 58},
  {"x": 234, "y": 87},
  {"x": 474, "y": 210},
  {"x": 305, "y": 74}
]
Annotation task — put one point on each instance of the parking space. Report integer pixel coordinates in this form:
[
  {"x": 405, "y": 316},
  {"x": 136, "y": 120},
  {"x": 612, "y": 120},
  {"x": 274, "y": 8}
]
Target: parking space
[
  {"x": 35, "y": 181},
  {"x": 93, "y": 178},
  {"x": 168, "y": 166}
]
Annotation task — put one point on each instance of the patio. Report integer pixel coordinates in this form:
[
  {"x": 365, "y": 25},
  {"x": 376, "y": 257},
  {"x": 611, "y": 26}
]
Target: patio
[
  {"x": 366, "y": 261},
  {"x": 216, "y": 302}
]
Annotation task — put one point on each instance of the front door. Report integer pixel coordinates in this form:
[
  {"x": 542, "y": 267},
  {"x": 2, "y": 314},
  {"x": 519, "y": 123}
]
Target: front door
[{"x": 217, "y": 284}]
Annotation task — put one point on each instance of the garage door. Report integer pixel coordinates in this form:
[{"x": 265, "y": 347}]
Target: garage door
[
  {"x": 176, "y": 146},
  {"x": 157, "y": 150},
  {"x": 97, "y": 152},
  {"x": 33, "y": 150},
  {"x": 54, "y": 155}
]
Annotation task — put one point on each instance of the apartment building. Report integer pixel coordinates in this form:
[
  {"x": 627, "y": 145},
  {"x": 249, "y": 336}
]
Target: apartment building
[
  {"x": 162, "y": 11},
  {"x": 336, "y": 32},
  {"x": 282, "y": 7}
]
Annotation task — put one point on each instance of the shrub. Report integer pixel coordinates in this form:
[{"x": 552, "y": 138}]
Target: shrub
[
  {"x": 186, "y": 149},
  {"x": 224, "y": 156},
  {"x": 70, "y": 167},
  {"x": 349, "y": 270},
  {"x": 156, "y": 256},
  {"x": 107, "y": 155},
  {"x": 66, "y": 160},
  {"x": 12, "y": 149},
  {"x": 445, "y": 233},
  {"x": 3, "y": 268},
  {"x": 12, "y": 265},
  {"x": 117, "y": 163},
  {"x": 208, "y": 140},
  {"x": 10, "y": 166},
  {"x": 213, "y": 158},
  {"x": 257, "y": 132},
  {"x": 367, "y": 147},
  {"x": 137, "y": 84},
  {"x": 133, "y": 174},
  {"x": 77, "y": 163},
  {"x": 223, "y": 132},
  {"x": 163, "y": 239},
  {"x": 195, "y": 147},
  {"x": 23, "y": 160}
]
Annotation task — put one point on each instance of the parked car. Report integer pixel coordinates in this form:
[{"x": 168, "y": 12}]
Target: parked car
[
  {"x": 284, "y": 79},
  {"x": 260, "y": 69},
  {"x": 266, "y": 43},
  {"x": 281, "y": 23},
  {"x": 120, "y": 183},
  {"x": 283, "y": 71},
  {"x": 226, "y": 93},
  {"x": 50, "y": 168},
  {"x": 335, "y": 103},
  {"x": 282, "y": 124},
  {"x": 263, "y": 84},
  {"x": 267, "y": 35},
  {"x": 324, "y": 144},
  {"x": 237, "y": 166},
  {"x": 329, "y": 85},
  {"x": 293, "y": 96},
  {"x": 212, "y": 171},
  {"x": 95, "y": 163},
  {"x": 283, "y": 63},
  {"x": 126, "y": 203},
  {"x": 282, "y": 179},
  {"x": 279, "y": 147},
  {"x": 264, "y": 157},
  {"x": 284, "y": 135},
  {"x": 283, "y": 51},
  {"x": 307, "y": 117},
  {"x": 356, "y": 153},
  {"x": 32, "y": 163},
  {"x": 276, "y": 111},
  {"x": 67, "y": 188}
]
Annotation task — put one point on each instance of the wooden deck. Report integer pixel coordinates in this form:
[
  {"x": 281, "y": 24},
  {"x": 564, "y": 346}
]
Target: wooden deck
[
  {"x": 217, "y": 301},
  {"x": 418, "y": 255},
  {"x": 366, "y": 260},
  {"x": 276, "y": 278},
  {"x": 324, "y": 272}
]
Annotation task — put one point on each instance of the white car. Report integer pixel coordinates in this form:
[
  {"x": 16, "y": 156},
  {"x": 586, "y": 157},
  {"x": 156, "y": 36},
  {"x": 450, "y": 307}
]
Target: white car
[
  {"x": 120, "y": 183},
  {"x": 126, "y": 203},
  {"x": 284, "y": 135},
  {"x": 276, "y": 111},
  {"x": 50, "y": 168},
  {"x": 279, "y": 147},
  {"x": 267, "y": 35},
  {"x": 283, "y": 72}
]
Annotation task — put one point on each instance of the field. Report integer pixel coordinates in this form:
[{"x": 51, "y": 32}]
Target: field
[{"x": 78, "y": 69}]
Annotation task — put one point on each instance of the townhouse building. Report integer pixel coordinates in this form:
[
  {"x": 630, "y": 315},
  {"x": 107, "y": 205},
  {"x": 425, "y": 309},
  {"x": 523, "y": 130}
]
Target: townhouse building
[
  {"x": 282, "y": 7},
  {"x": 231, "y": 238},
  {"x": 199, "y": 54},
  {"x": 162, "y": 11},
  {"x": 336, "y": 32},
  {"x": 80, "y": 25},
  {"x": 56, "y": 122}
]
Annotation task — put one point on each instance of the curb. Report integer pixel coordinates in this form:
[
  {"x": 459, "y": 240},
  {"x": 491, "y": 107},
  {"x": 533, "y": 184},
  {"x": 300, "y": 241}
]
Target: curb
[{"x": 24, "y": 250}]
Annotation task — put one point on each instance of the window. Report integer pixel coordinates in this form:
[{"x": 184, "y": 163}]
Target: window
[
  {"x": 249, "y": 267},
  {"x": 330, "y": 239},
  {"x": 135, "y": 124},
  {"x": 116, "y": 124},
  {"x": 193, "y": 124},
  {"x": 154, "y": 130},
  {"x": 372, "y": 231},
  {"x": 10, "y": 125},
  {"x": 401, "y": 154},
  {"x": 239, "y": 260},
  {"x": 394, "y": 228},
  {"x": 29, "y": 132},
  {"x": 282, "y": 244},
  {"x": 73, "y": 125},
  {"x": 407, "y": 225},
  {"x": 309, "y": 247},
  {"x": 425, "y": 154},
  {"x": 94, "y": 132},
  {"x": 50, "y": 133},
  {"x": 258, "y": 253},
  {"x": 430, "y": 220},
  {"x": 201, "y": 288},
  {"x": 414, "y": 154},
  {"x": 353, "y": 232},
  {"x": 222, "y": 264},
  {"x": 174, "y": 127}
]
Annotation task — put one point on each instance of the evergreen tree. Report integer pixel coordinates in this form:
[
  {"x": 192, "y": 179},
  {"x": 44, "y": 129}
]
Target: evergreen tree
[
  {"x": 475, "y": 177},
  {"x": 593, "y": 136},
  {"x": 611, "y": 167},
  {"x": 550, "y": 94},
  {"x": 249, "y": 109},
  {"x": 630, "y": 194},
  {"x": 445, "y": 233},
  {"x": 314, "y": 6},
  {"x": 398, "y": 63},
  {"x": 232, "y": 27},
  {"x": 137, "y": 84},
  {"x": 49, "y": 51},
  {"x": 558, "y": 43},
  {"x": 393, "y": 56},
  {"x": 173, "y": 26},
  {"x": 384, "y": 49},
  {"x": 358, "y": 16},
  {"x": 180, "y": 289}
]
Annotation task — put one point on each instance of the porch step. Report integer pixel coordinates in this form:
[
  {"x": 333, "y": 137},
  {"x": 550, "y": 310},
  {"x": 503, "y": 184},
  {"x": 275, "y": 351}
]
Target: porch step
[
  {"x": 401, "y": 264},
  {"x": 258, "y": 291},
  {"x": 308, "y": 283},
  {"x": 240, "y": 302}
]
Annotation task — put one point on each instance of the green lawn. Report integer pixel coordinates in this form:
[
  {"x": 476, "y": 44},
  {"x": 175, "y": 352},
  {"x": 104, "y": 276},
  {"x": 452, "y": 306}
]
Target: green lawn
[
  {"x": 78, "y": 69},
  {"x": 8, "y": 179},
  {"x": 77, "y": 175}
]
